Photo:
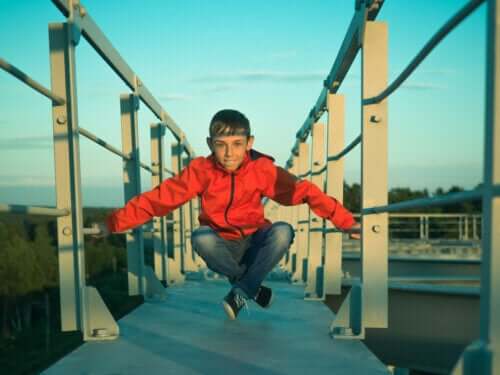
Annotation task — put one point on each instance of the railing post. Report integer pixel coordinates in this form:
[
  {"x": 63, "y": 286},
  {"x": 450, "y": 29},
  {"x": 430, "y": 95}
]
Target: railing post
[
  {"x": 483, "y": 356},
  {"x": 70, "y": 243},
  {"x": 189, "y": 264},
  {"x": 335, "y": 188},
  {"x": 460, "y": 227},
  {"x": 129, "y": 105},
  {"x": 374, "y": 242},
  {"x": 81, "y": 306},
  {"x": 474, "y": 229},
  {"x": 303, "y": 220},
  {"x": 427, "y": 236},
  {"x": 422, "y": 230},
  {"x": 314, "y": 286},
  {"x": 175, "y": 263},
  {"x": 159, "y": 224},
  {"x": 292, "y": 264}
]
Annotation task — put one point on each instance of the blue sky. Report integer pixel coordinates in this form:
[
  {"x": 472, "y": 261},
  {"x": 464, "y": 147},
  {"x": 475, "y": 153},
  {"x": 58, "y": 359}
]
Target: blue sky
[{"x": 266, "y": 58}]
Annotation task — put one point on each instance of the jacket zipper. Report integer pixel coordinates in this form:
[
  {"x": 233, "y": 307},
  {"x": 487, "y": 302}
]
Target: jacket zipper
[{"x": 229, "y": 205}]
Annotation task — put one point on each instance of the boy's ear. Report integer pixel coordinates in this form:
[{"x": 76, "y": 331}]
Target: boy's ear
[
  {"x": 209, "y": 143},
  {"x": 250, "y": 142}
]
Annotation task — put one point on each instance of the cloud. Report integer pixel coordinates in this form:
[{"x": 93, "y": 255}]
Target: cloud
[
  {"x": 219, "y": 88},
  {"x": 439, "y": 71},
  {"x": 10, "y": 180},
  {"x": 26, "y": 143},
  {"x": 420, "y": 86},
  {"x": 175, "y": 97},
  {"x": 262, "y": 76},
  {"x": 283, "y": 55}
]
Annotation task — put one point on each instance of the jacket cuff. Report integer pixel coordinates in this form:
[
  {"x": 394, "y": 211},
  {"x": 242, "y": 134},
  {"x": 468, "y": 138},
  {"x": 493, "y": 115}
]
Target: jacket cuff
[{"x": 342, "y": 218}]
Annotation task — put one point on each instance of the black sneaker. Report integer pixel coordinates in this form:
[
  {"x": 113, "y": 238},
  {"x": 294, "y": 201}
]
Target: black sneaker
[
  {"x": 233, "y": 303},
  {"x": 264, "y": 296}
]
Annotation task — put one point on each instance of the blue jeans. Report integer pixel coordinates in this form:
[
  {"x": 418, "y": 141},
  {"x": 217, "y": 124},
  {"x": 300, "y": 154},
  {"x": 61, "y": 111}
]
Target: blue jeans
[{"x": 247, "y": 261}]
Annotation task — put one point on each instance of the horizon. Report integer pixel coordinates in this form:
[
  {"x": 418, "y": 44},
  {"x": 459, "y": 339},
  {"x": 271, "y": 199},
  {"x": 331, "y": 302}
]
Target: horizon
[{"x": 433, "y": 137}]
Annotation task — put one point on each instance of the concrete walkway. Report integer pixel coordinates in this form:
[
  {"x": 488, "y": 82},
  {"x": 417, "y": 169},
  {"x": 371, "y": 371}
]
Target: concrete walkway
[{"x": 189, "y": 334}]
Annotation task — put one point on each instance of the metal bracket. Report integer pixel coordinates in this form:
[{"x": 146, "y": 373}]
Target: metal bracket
[
  {"x": 348, "y": 321},
  {"x": 101, "y": 324}
]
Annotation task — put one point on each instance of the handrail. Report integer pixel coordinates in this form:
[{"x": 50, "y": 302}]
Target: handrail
[
  {"x": 102, "y": 143},
  {"x": 84, "y": 22},
  {"x": 33, "y": 210},
  {"x": 429, "y": 46},
  {"x": 345, "y": 57},
  {"x": 23, "y": 77},
  {"x": 464, "y": 196}
]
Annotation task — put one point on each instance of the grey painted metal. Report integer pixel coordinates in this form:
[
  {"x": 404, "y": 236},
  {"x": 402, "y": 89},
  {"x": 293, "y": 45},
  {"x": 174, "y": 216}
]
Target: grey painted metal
[
  {"x": 81, "y": 306},
  {"x": 314, "y": 282},
  {"x": 33, "y": 210},
  {"x": 189, "y": 334},
  {"x": 102, "y": 143},
  {"x": 418, "y": 267},
  {"x": 79, "y": 16},
  {"x": 483, "y": 356},
  {"x": 23, "y": 77},
  {"x": 175, "y": 262},
  {"x": 292, "y": 264},
  {"x": 302, "y": 237},
  {"x": 417, "y": 336},
  {"x": 68, "y": 181},
  {"x": 471, "y": 195},
  {"x": 335, "y": 188},
  {"x": 375, "y": 236},
  {"x": 160, "y": 226},
  {"x": 129, "y": 105},
  {"x": 189, "y": 255},
  {"x": 343, "y": 61},
  {"x": 465, "y": 11}
]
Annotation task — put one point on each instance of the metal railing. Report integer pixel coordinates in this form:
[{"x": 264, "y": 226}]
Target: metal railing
[
  {"x": 315, "y": 257},
  {"x": 81, "y": 306}
]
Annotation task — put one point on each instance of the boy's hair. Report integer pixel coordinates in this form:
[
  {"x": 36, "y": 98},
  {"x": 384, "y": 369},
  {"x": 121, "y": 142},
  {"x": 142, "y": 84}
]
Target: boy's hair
[{"x": 229, "y": 122}]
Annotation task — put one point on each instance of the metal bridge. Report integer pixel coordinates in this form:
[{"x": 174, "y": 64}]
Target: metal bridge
[{"x": 431, "y": 313}]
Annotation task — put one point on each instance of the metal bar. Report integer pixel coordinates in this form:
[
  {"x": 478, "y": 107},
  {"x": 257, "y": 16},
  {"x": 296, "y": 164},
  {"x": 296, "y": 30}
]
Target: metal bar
[
  {"x": 70, "y": 244},
  {"x": 168, "y": 171},
  {"x": 429, "y": 46},
  {"x": 374, "y": 242},
  {"x": 303, "y": 219},
  {"x": 129, "y": 104},
  {"x": 110, "y": 55},
  {"x": 160, "y": 261},
  {"x": 23, "y": 77},
  {"x": 102, "y": 143},
  {"x": 345, "y": 57},
  {"x": 345, "y": 151},
  {"x": 33, "y": 210},
  {"x": 315, "y": 255},
  {"x": 442, "y": 200},
  {"x": 175, "y": 266},
  {"x": 189, "y": 264},
  {"x": 334, "y": 188},
  {"x": 146, "y": 167}
]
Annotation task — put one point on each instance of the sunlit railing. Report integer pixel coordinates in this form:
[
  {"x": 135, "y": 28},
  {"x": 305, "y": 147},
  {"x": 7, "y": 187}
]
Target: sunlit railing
[
  {"x": 315, "y": 257},
  {"x": 81, "y": 306}
]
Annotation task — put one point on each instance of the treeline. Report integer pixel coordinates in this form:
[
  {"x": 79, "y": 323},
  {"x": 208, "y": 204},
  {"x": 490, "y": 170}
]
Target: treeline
[{"x": 29, "y": 288}]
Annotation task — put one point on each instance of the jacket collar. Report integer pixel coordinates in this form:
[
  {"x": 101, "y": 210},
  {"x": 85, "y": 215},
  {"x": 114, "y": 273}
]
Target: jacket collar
[{"x": 250, "y": 156}]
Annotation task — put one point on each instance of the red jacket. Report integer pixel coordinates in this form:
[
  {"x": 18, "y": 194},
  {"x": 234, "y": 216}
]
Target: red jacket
[{"x": 231, "y": 202}]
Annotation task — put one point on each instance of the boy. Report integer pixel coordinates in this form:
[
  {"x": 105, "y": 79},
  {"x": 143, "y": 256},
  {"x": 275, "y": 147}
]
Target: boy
[{"x": 234, "y": 239}]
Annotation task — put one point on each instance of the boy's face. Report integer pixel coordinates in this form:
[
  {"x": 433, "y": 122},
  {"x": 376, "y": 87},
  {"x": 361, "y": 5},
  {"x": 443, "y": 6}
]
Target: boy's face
[{"x": 230, "y": 150}]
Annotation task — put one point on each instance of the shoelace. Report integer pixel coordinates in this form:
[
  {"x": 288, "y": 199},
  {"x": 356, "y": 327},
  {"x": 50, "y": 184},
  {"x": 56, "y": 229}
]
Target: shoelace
[{"x": 241, "y": 301}]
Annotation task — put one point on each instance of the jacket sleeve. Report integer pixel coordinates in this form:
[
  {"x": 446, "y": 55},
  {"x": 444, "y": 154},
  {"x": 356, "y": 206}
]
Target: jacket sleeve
[
  {"x": 285, "y": 188},
  {"x": 163, "y": 199}
]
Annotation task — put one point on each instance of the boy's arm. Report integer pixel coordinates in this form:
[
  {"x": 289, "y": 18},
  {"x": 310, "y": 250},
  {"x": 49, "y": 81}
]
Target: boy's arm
[
  {"x": 163, "y": 199},
  {"x": 287, "y": 189}
]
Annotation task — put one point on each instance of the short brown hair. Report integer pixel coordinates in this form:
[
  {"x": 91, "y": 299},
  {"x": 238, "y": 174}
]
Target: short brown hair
[{"x": 229, "y": 122}]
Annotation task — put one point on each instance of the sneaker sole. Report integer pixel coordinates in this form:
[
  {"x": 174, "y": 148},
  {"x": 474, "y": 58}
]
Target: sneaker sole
[{"x": 229, "y": 311}]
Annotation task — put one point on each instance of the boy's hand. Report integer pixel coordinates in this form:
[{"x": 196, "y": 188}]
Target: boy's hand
[
  {"x": 101, "y": 230},
  {"x": 356, "y": 232}
]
